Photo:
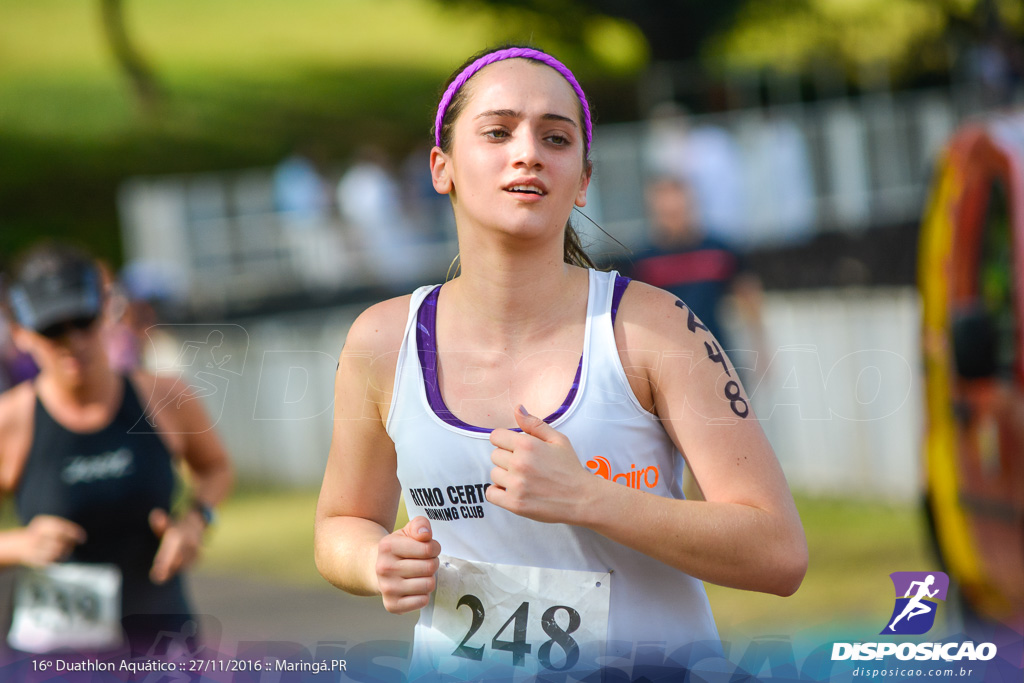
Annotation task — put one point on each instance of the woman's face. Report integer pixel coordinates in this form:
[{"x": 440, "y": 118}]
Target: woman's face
[
  {"x": 68, "y": 352},
  {"x": 671, "y": 211},
  {"x": 516, "y": 162}
]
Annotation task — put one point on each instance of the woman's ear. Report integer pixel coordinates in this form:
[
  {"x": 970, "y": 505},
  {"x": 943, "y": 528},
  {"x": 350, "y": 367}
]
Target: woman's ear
[
  {"x": 581, "y": 196},
  {"x": 440, "y": 171}
]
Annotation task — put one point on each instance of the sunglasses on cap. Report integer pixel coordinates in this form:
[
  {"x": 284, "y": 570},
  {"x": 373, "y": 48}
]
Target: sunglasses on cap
[{"x": 66, "y": 327}]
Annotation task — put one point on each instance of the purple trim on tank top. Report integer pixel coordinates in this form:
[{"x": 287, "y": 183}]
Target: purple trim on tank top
[
  {"x": 621, "y": 281},
  {"x": 426, "y": 348}
]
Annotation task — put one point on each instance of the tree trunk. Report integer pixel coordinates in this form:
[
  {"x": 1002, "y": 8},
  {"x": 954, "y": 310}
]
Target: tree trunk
[{"x": 144, "y": 84}]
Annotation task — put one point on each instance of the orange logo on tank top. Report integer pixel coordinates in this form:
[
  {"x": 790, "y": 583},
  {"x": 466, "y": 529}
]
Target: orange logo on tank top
[{"x": 648, "y": 476}]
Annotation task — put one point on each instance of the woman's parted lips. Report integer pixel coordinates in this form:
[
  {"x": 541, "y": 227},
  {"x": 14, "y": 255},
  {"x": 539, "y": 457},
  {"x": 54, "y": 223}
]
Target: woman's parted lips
[{"x": 527, "y": 186}]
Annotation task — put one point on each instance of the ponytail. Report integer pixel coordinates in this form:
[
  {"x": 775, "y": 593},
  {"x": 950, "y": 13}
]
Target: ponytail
[{"x": 573, "y": 252}]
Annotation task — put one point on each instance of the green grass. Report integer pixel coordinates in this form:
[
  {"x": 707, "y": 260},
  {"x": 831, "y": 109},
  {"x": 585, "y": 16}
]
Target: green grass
[
  {"x": 58, "y": 81},
  {"x": 854, "y": 546},
  {"x": 244, "y": 82},
  {"x": 50, "y": 35},
  {"x": 853, "y": 549},
  {"x": 267, "y": 534}
]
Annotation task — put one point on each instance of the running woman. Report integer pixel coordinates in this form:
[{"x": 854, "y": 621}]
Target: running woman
[
  {"x": 91, "y": 465},
  {"x": 543, "y": 543}
]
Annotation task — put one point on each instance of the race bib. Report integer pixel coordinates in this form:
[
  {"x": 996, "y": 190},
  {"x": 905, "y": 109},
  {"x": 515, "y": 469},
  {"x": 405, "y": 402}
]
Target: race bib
[
  {"x": 67, "y": 606},
  {"x": 530, "y": 618}
]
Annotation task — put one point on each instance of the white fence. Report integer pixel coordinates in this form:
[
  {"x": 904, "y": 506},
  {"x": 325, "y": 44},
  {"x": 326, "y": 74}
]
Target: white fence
[
  {"x": 847, "y": 164},
  {"x": 851, "y": 163},
  {"x": 841, "y": 400}
]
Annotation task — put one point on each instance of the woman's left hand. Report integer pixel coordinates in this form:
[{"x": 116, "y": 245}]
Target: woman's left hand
[
  {"x": 537, "y": 473},
  {"x": 180, "y": 540}
]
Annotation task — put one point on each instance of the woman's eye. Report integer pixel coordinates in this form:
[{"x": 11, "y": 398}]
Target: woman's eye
[
  {"x": 496, "y": 133},
  {"x": 559, "y": 139}
]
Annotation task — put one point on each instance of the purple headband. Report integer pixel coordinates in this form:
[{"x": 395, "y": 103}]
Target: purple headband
[{"x": 511, "y": 53}]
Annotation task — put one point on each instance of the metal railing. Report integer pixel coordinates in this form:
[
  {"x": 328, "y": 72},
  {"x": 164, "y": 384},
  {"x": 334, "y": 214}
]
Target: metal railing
[{"x": 863, "y": 161}]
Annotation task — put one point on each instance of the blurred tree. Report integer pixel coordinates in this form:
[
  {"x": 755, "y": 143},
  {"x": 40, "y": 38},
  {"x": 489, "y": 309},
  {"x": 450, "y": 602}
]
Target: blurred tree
[
  {"x": 913, "y": 38},
  {"x": 129, "y": 60},
  {"x": 675, "y": 31},
  {"x": 908, "y": 41}
]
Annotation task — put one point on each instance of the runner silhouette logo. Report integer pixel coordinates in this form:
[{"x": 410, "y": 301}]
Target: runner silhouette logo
[{"x": 917, "y": 600}]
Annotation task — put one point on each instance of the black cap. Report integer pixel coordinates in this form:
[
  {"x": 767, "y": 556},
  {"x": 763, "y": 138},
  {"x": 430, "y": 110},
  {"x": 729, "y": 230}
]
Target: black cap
[{"x": 56, "y": 291}]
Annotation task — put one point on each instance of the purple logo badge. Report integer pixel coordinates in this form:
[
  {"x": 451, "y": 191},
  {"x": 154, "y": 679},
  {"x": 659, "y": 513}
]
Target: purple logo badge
[{"x": 917, "y": 596}]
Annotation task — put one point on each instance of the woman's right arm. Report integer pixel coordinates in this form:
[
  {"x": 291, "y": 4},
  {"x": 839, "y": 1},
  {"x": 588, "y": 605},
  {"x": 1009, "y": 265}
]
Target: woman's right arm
[
  {"x": 46, "y": 538},
  {"x": 354, "y": 545}
]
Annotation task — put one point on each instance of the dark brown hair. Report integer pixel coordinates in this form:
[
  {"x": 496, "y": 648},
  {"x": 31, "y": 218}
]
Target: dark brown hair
[{"x": 573, "y": 252}]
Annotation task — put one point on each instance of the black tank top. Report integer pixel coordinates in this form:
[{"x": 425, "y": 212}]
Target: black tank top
[{"x": 107, "y": 482}]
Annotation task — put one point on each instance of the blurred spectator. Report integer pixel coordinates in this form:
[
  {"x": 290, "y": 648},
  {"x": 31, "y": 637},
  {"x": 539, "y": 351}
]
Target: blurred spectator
[
  {"x": 302, "y": 197},
  {"x": 16, "y": 366},
  {"x": 138, "y": 300},
  {"x": 698, "y": 268},
  {"x": 997, "y": 65},
  {"x": 996, "y": 62},
  {"x": 710, "y": 161},
  {"x": 6, "y": 352},
  {"x": 779, "y": 181},
  {"x": 432, "y": 211},
  {"x": 300, "y": 193},
  {"x": 5, "y": 343},
  {"x": 369, "y": 199}
]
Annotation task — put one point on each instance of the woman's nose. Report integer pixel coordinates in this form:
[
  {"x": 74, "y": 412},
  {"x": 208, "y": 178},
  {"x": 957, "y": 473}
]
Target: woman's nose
[{"x": 527, "y": 150}]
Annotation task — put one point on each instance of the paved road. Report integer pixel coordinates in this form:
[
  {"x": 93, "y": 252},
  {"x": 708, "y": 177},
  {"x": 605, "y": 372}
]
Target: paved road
[
  {"x": 242, "y": 609},
  {"x": 250, "y": 618}
]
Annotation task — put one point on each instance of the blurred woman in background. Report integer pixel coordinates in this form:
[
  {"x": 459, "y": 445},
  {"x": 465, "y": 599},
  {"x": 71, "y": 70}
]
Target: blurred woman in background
[{"x": 92, "y": 467}]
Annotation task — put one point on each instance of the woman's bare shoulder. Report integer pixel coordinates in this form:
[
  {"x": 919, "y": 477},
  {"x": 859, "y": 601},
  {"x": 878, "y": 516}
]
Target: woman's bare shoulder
[
  {"x": 652, "y": 327},
  {"x": 372, "y": 344},
  {"x": 650, "y": 318},
  {"x": 379, "y": 329},
  {"x": 16, "y": 405}
]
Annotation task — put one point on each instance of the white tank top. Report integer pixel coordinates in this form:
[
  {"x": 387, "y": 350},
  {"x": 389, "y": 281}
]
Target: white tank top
[{"x": 444, "y": 467}]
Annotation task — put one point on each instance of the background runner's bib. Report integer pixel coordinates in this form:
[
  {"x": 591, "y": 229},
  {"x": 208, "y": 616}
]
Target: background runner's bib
[
  {"x": 67, "y": 606},
  {"x": 531, "y": 618}
]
